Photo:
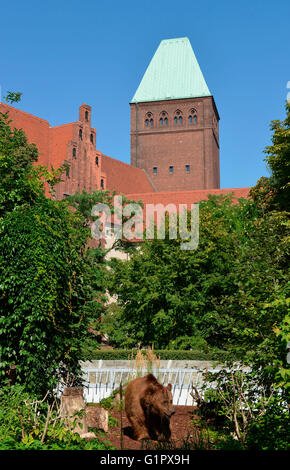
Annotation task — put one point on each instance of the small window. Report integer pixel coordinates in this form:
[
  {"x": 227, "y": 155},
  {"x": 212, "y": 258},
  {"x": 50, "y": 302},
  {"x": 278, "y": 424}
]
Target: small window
[
  {"x": 148, "y": 119},
  {"x": 155, "y": 170},
  {"x": 97, "y": 161},
  {"x": 86, "y": 115},
  {"x": 80, "y": 134},
  {"x": 175, "y": 120},
  {"x": 180, "y": 120},
  {"x": 67, "y": 172},
  {"x": 102, "y": 183},
  {"x": 92, "y": 138},
  {"x": 192, "y": 118},
  {"x": 171, "y": 169},
  {"x": 74, "y": 152},
  {"x": 187, "y": 168},
  {"x": 166, "y": 121},
  {"x": 161, "y": 122}
]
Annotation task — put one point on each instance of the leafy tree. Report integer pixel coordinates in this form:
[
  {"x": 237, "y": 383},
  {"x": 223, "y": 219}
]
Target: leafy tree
[
  {"x": 45, "y": 270},
  {"x": 42, "y": 294},
  {"x": 274, "y": 192},
  {"x": 166, "y": 293}
]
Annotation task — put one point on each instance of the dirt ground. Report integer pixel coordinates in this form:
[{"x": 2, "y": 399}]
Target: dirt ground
[{"x": 181, "y": 425}]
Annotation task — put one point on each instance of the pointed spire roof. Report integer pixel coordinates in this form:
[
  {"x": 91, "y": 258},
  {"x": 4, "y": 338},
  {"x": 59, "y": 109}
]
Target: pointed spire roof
[{"x": 173, "y": 73}]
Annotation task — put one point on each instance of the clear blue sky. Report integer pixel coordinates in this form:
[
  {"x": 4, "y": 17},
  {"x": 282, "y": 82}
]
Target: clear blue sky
[{"x": 63, "y": 53}]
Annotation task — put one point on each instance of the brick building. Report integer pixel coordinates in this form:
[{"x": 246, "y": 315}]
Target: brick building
[
  {"x": 174, "y": 122},
  {"x": 174, "y": 137}
]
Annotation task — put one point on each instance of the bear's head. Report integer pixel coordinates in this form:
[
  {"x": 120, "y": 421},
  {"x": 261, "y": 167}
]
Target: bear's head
[{"x": 158, "y": 401}]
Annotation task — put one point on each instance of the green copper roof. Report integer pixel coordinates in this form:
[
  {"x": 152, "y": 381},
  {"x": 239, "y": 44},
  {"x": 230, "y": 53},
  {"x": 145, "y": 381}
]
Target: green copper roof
[{"x": 173, "y": 73}]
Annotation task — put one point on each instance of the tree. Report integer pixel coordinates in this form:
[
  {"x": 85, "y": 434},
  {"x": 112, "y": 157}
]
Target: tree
[
  {"x": 44, "y": 270},
  {"x": 43, "y": 293},
  {"x": 274, "y": 193},
  {"x": 166, "y": 293}
]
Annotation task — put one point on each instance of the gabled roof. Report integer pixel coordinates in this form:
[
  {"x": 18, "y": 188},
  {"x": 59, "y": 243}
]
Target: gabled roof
[
  {"x": 122, "y": 177},
  {"x": 173, "y": 73}
]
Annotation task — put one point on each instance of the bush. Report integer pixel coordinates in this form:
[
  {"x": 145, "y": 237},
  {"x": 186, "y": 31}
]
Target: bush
[
  {"x": 30, "y": 424},
  {"x": 271, "y": 431},
  {"x": 175, "y": 355}
]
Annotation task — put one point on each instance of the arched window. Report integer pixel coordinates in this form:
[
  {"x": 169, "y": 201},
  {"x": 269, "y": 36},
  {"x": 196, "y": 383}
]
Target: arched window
[
  {"x": 87, "y": 115},
  {"x": 178, "y": 119},
  {"x": 97, "y": 161},
  {"x": 92, "y": 138},
  {"x": 80, "y": 134},
  {"x": 149, "y": 120},
  {"x": 163, "y": 120},
  {"x": 192, "y": 118},
  {"x": 102, "y": 183},
  {"x": 74, "y": 152}
]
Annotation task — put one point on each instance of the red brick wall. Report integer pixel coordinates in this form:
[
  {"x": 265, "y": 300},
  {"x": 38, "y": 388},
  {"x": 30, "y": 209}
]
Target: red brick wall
[
  {"x": 56, "y": 144},
  {"x": 194, "y": 144}
]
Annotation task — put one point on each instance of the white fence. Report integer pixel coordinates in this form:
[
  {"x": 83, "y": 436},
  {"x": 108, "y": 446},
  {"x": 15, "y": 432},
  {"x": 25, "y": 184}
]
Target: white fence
[{"x": 100, "y": 383}]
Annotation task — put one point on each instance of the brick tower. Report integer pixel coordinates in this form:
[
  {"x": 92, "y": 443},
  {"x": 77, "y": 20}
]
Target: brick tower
[{"x": 175, "y": 122}]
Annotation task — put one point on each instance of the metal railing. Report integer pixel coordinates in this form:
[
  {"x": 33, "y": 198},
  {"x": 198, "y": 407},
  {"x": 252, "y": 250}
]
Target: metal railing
[{"x": 100, "y": 383}]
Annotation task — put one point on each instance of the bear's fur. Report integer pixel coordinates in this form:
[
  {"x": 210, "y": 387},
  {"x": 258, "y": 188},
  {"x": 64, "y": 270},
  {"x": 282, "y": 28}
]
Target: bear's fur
[{"x": 148, "y": 406}]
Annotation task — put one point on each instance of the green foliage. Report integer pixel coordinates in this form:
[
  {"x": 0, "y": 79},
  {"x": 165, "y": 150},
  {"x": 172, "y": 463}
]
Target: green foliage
[
  {"x": 250, "y": 403},
  {"x": 42, "y": 291},
  {"x": 272, "y": 430},
  {"x": 30, "y": 424},
  {"x": 273, "y": 193},
  {"x": 13, "y": 97},
  {"x": 50, "y": 283},
  {"x": 160, "y": 303},
  {"x": 163, "y": 354}
]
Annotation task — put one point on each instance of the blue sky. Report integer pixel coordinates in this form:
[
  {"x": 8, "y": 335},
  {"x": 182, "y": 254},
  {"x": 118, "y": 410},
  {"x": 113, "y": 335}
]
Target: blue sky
[{"x": 63, "y": 53}]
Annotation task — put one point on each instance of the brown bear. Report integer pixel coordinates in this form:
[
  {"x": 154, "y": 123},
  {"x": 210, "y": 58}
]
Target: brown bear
[{"x": 148, "y": 406}]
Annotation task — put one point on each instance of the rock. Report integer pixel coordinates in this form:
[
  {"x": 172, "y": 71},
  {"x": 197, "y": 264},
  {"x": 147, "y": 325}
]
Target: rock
[
  {"x": 97, "y": 418},
  {"x": 88, "y": 435}
]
